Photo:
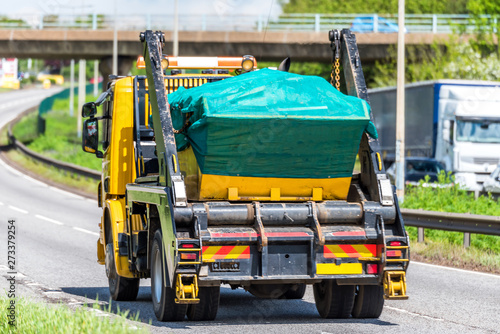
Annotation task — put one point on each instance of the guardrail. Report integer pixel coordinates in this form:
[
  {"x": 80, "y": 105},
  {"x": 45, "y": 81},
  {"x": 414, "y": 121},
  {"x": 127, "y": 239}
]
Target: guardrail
[
  {"x": 449, "y": 221},
  {"x": 415, "y": 23},
  {"x": 71, "y": 168},
  {"x": 458, "y": 222}
]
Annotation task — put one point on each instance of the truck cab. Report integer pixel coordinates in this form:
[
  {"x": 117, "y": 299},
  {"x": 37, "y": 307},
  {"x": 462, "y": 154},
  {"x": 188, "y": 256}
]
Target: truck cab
[{"x": 468, "y": 130}]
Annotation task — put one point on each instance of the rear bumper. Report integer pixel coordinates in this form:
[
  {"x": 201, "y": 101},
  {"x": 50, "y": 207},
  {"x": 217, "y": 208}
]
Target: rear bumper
[
  {"x": 291, "y": 256},
  {"x": 247, "y": 280}
]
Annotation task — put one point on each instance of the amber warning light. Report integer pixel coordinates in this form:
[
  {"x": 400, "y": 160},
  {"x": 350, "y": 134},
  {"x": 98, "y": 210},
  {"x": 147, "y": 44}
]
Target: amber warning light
[{"x": 247, "y": 63}]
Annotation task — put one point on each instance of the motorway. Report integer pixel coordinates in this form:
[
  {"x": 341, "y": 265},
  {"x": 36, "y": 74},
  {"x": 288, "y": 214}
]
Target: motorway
[{"x": 56, "y": 258}]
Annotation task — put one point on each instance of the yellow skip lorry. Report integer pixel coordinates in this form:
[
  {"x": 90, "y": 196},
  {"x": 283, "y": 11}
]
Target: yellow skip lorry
[{"x": 200, "y": 190}]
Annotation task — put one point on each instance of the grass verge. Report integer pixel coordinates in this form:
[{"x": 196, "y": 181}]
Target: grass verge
[
  {"x": 60, "y": 140},
  {"x": 73, "y": 182},
  {"x": 35, "y": 317},
  {"x": 445, "y": 247},
  {"x": 4, "y": 140}
]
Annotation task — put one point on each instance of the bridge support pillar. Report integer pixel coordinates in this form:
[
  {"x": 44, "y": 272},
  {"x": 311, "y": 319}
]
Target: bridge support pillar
[{"x": 106, "y": 67}]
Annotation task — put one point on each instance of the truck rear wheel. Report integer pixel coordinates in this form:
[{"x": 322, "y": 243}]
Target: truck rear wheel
[
  {"x": 369, "y": 301},
  {"x": 333, "y": 300},
  {"x": 297, "y": 293},
  {"x": 208, "y": 306},
  {"x": 120, "y": 288},
  {"x": 163, "y": 297}
]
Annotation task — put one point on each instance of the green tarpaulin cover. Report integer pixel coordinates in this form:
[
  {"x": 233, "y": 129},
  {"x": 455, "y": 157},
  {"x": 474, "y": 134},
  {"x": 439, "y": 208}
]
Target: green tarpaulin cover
[{"x": 269, "y": 123}]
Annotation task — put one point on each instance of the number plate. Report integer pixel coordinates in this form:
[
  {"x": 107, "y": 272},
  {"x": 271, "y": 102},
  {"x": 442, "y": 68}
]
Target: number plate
[{"x": 224, "y": 266}]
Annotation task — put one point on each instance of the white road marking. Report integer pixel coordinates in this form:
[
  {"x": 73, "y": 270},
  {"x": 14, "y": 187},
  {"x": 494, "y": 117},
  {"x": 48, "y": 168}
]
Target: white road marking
[
  {"x": 35, "y": 181},
  {"x": 412, "y": 313},
  {"x": 50, "y": 220},
  {"x": 455, "y": 269},
  {"x": 1, "y": 203},
  {"x": 18, "y": 209},
  {"x": 85, "y": 231},
  {"x": 66, "y": 193},
  {"x": 12, "y": 170}
]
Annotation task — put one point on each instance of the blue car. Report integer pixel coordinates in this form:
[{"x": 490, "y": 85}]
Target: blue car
[{"x": 366, "y": 24}]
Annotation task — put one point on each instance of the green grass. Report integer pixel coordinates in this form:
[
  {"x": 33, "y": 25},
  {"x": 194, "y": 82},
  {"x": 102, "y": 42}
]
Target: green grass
[
  {"x": 4, "y": 140},
  {"x": 449, "y": 198},
  {"x": 446, "y": 246},
  {"x": 60, "y": 140},
  {"x": 26, "y": 130},
  {"x": 35, "y": 317}
]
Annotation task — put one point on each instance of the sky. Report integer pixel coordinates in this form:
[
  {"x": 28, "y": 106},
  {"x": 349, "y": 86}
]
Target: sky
[{"x": 127, "y": 7}]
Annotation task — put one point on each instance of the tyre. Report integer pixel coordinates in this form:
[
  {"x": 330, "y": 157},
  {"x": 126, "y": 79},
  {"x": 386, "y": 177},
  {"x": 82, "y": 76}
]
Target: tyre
[
  {"x": 297, "y": 293},
  {"x": 369, "y": 301},
  {"x": 120, "y": 288},
  {"x": 163, "y": 298},
  {"x": 333, "y": 300},
  {"x": 208, "y": 306}
]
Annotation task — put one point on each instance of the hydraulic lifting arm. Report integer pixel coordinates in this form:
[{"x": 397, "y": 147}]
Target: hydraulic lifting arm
[
  {"x": 169, "y": 169},
  {"x": 373, "y": 177}
]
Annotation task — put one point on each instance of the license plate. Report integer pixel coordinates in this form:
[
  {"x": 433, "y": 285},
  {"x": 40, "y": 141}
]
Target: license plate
[{"x": 224, "y": 266}]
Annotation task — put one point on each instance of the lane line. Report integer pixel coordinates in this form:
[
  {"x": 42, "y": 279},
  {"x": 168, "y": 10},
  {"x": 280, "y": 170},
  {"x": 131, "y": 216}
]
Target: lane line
[
  {"x": 456, "y": 269},
  {"x": 66, "y": 193},
  {"x": 86, "y": 231},
  {"x": 18, "y": 209},
  {"x": 50, "y": 220},
  {"x": 12, "y": 170},
  {"x": 413, "y": 313},
  {"x": 45, "y": 185}
]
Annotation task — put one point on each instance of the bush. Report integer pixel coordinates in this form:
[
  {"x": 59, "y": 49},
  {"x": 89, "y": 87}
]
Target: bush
[{"x": 448, "y": 196}]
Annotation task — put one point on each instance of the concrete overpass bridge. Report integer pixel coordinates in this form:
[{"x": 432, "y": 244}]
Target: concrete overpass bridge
[
  {"x": 303, "y": 37},
  {"x": 273, "y": 45}
]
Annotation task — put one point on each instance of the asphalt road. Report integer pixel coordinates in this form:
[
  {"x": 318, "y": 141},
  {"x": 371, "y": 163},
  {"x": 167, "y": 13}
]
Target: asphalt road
[{"x": 56, "y": 235}]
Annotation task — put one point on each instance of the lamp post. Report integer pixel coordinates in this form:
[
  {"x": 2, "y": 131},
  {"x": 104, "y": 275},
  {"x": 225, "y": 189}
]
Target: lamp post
[
  {"x": 176, "y": 28},
  {"x": 400, "y": 105}
]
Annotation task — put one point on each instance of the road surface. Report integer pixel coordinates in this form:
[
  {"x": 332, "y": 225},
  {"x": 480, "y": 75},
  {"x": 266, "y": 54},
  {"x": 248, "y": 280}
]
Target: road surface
[{"x": 56, "y": 258}]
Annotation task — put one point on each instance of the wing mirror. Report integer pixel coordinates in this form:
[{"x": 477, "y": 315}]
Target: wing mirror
[
  {"x": 89, "y": 109},
  {"x": 90, "y": 137}
]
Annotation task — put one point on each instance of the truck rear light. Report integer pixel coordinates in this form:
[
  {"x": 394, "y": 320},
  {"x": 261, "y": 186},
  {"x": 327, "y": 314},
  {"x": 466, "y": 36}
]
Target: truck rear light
[
  {"x": 188, "y": 256},
  {"x": 393, "y": 253},
  {"x": 395, "y": 243},
  {"x": 187, "y": 246},
  {"x": 372, "y": 268}
]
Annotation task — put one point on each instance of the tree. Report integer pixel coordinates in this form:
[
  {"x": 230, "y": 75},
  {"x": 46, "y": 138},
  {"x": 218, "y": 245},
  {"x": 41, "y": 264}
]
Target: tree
[{"x": 377, "y": 6}]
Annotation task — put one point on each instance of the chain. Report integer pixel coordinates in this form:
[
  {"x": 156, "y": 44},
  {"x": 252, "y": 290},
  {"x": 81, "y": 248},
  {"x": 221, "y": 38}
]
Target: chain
[
  {"x": 337, "y": 76},
  {"x": 186, "y": 125}
]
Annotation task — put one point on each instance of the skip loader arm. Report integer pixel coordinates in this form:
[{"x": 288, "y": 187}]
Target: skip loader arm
[
  {"x": 169, "y": 191},
  {"x": 373, "y": 178}
]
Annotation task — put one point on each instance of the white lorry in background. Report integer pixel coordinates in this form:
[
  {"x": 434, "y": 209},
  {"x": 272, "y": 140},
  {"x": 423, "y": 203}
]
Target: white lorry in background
[{"x": 457, "y": 122}]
